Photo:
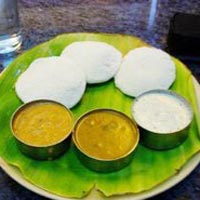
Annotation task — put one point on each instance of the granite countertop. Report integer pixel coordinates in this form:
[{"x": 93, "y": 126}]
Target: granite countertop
[{"x": 43, "y": 19}]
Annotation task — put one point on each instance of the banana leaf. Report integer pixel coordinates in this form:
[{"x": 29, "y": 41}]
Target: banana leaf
[{"x": 66, "y": 176}]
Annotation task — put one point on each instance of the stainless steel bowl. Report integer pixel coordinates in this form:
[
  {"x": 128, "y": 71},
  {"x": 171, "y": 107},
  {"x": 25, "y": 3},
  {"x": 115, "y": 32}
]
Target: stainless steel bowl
[
  {"x": 44, "y": 152},
  {"x": 105, "y": 165},
  {"x": 163, "y": 140}
]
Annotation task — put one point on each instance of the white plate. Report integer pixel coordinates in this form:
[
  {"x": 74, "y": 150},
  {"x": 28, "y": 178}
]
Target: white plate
[{"x": 15, "y": 174}]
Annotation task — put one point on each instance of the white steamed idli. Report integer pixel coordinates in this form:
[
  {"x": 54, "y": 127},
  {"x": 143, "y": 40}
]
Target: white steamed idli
[
  {"x": 99, "y": 61},
  {"x": 145, "y": 69},
  {"x": 52, "y": 78}
]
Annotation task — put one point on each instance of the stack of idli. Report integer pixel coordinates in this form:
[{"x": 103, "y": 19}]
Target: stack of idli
[{"x": 64, "y": 78}]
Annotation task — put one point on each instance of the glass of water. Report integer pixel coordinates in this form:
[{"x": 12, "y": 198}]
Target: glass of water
[{"x": 10, "y": 37}]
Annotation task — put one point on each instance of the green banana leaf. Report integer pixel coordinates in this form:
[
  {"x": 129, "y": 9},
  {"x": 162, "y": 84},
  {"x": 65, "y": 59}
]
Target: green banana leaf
[{"x": 66, "y": 176}]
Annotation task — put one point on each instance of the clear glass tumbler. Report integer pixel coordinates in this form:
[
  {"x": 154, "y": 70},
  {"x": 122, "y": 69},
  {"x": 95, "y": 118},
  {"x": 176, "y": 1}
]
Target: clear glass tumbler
[{"x": 10, "y": 37}]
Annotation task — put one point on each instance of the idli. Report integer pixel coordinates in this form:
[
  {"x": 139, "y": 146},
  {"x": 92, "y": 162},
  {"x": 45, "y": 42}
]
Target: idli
[
  {"x": 99, "y": 61},
  {"x": 52, "y": 78},
  {"x": 145, "y": 69}
]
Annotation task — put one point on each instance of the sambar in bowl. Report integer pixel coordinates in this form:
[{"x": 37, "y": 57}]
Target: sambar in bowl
[
  {"x": 42, "y": 129},
  {"x": 105, "y": 140}
]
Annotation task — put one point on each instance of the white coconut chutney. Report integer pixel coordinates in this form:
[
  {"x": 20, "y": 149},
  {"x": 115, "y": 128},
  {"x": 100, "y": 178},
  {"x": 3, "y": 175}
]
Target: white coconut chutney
[
  {"x": 99, "y": 60},
  {"x": 145, "y": 69},
  {"x": 161, "y": 112},
  {"x": 52, "y": 78}
]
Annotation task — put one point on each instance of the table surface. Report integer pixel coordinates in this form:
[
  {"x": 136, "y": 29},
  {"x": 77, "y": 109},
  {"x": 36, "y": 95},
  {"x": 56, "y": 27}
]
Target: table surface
[{"x": 149, "y": 20}]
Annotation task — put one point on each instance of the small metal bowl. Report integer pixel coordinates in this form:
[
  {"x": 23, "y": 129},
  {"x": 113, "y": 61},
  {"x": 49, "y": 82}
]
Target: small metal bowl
[
  {"x": 47, "y": 151},
  {"x": 159, "y": 139},
  {"x": 100, "y": 163}
]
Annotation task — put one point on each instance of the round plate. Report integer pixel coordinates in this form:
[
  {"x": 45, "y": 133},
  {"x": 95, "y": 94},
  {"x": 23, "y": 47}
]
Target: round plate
[{"x": 15, "y": 174}]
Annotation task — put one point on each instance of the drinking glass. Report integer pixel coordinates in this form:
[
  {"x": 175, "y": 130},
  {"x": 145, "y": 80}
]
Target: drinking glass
[{"x": 10, "y": 37}]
